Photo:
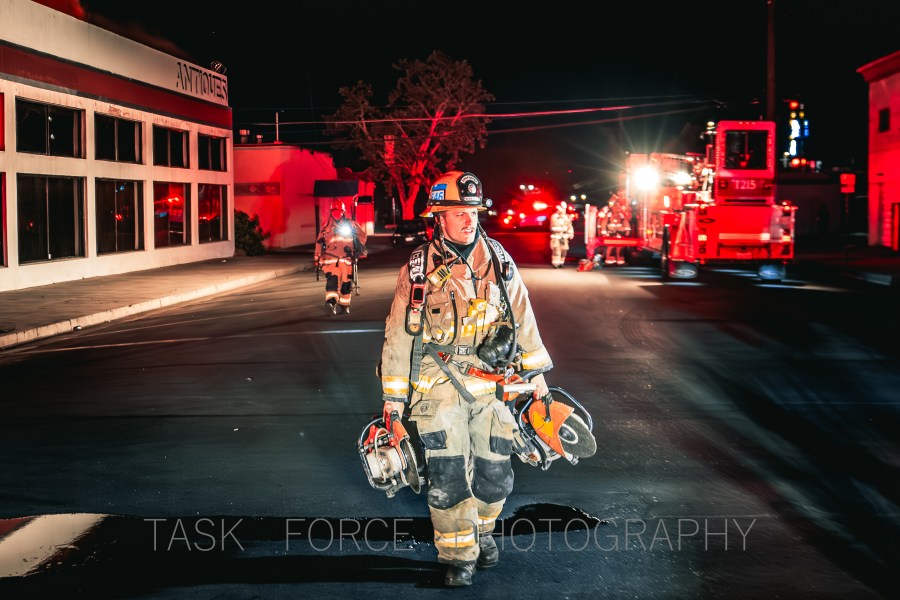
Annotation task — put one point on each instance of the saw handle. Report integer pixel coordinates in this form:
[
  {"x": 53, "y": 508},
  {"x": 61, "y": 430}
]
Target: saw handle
[
  {"x": 547, "y": 400},
  {"x": 395, "y": 426}
]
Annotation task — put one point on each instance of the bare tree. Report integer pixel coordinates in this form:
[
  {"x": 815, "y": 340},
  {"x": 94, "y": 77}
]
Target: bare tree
[{"x": 435, "y": 112}]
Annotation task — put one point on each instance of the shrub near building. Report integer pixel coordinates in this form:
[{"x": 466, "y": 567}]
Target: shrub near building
[{"x": 248, "y": 234}]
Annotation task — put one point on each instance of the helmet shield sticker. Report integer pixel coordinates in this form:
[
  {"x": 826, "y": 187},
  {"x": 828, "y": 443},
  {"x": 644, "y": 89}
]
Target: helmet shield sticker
[{"x": 469, "y": 188}]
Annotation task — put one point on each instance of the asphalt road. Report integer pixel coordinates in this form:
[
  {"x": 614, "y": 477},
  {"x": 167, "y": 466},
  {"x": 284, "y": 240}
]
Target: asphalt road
[{"x": 746, "y": 439}]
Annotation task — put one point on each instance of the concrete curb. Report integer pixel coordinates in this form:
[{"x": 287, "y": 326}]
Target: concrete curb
[{"x": 879, "y": 278}]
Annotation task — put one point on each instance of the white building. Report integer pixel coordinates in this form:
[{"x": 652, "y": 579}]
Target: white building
[
  {"x": 290, "y": 189},
  {"x": 883, "y": 77},
  {"x": 114, "y": 156}
]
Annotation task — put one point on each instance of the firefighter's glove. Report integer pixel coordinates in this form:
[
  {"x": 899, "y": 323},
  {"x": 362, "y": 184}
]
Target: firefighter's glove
[
  {"x": 542, "y": 388},
  {"x": 390, "y": 407}
]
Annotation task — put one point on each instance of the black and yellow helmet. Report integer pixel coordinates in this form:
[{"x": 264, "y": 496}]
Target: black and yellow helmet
[{"x": 454, "y": 189}]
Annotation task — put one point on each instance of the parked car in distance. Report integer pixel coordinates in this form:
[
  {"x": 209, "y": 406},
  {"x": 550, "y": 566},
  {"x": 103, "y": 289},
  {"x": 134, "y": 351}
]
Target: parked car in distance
[{"x": 412, "y": 233}]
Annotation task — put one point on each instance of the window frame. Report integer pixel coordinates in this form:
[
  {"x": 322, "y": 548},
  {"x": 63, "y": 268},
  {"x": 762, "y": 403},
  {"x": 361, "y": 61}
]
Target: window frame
[
  {"x": 158, "y": 215},
  {"x": 206, "y": 233},
  {"x": 884, "y": 120},
  {"x": 211, "y": 153},
  {"x": 46, "y": 132},
  {"x": 164, "y": 144},
  {"x": 52, "y": 211},
  {"x": 117, "y": 142},
  {"x": 121, "y": 206}
]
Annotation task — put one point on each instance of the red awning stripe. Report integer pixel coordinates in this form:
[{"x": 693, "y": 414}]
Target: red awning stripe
[{"x": 43, "y": 70}]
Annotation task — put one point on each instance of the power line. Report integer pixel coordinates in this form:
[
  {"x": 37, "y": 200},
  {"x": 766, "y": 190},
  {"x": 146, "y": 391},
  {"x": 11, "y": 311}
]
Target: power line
[
  {"x": 516, "y": 115},
  {"x": 619, "y": 119}
]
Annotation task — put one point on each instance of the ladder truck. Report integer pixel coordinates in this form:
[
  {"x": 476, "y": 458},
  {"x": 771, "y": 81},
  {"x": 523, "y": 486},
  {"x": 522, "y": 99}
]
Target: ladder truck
[{"x": 716, "y": 208}]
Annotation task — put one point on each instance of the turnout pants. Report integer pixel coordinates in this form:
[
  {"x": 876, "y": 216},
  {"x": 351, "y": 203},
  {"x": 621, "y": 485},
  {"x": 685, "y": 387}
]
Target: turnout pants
[
  {"x": 338, "y": 280},
  {"x": 559, "y": 247},
  {"x": 467, "y": 451}
]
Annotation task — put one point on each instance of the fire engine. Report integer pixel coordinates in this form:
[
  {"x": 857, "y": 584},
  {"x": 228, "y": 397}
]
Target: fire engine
[{"x": 708, "y": 209}]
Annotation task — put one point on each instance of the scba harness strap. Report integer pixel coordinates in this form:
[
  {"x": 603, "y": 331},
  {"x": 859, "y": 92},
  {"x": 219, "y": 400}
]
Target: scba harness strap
[
  {"x": 506, "y": 271},
  {"x": 418, "y": 290},
  {"x": 418, "y": 282}
]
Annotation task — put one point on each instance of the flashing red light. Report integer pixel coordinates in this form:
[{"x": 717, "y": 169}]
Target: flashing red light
[
  {"x": 848, "y": 183},
  {"x": 795, "y": 162},
  {"x": 793, "y": 104}
]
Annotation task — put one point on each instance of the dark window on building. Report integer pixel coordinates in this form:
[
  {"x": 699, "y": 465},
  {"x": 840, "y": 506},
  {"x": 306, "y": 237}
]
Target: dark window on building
[
  {"x": 211, "y": 153},
  {"x": 171, "y": 214},
  {"x": 117, "y": 139},
  {"x": 170, "y": 147},
  {"x": 884, "y": 120},
  {"x": 51, "y": 217},
  {"x": 2, "y": 124},
  {"x": 49, "y": 129},
  {"x": 212, "y": 218},
  {"x": 120, "y": 216}
]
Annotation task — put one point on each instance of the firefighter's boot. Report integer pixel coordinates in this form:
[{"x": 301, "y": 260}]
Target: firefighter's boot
[
  {"x": 488, "y": 553},
  {"x": 459, "y": 575}
]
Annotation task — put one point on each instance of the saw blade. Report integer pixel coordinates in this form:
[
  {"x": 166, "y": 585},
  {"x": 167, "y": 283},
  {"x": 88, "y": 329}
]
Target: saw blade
[
  {"x": 411, "y": 471},
  {"x": 576, "y": 438}
]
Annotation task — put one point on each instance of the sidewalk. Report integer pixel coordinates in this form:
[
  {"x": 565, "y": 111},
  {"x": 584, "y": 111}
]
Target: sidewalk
[
  {"x": 49, "y": 310},
  {"x": 852, "y": 257}
]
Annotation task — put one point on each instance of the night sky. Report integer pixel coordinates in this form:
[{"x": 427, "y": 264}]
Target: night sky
[{"x": 687, "y": 62}]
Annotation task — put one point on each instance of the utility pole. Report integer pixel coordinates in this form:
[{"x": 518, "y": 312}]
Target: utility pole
[{"x": 770, "y": 62}]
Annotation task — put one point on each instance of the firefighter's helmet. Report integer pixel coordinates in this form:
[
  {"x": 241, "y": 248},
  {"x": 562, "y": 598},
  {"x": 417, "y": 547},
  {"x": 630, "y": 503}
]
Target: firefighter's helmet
[
  {"x": 562, "y": 206},
  {"x": 454, "y": 189},
  {"x": 338, "y": 204}
]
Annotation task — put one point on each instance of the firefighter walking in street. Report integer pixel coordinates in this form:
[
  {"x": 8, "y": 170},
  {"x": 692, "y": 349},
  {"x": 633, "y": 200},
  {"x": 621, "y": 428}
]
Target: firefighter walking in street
[
  {"x": 460, "y": 314},
  {"x": 561, "y": 231},
  {"x": 614, "y": 220},
  {"x": 340, "y": 242}
]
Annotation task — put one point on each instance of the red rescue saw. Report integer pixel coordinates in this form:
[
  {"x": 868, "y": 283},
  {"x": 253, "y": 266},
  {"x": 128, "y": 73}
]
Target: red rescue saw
[
  {"x": 388, "y": 456},
  {"x": 554, "y": 426}
]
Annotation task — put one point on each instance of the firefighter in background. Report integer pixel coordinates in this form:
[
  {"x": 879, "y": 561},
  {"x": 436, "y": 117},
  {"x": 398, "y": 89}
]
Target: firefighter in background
[
  {"x": 340, "y": 242},
  {"x": 437, "y": 358},
  {"x": 614, "y": 220},
  {"x": 561, "y": 231}
]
